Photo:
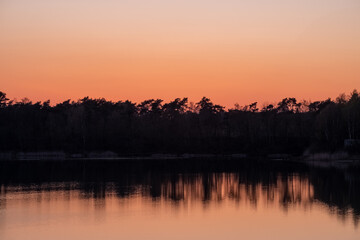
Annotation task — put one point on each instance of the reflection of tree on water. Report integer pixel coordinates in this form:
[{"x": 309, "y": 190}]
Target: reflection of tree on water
[
  {"x": 216, "y": 187},
  {"x": 259, "y": 185},
  {"x": 339, "y": 190},
  {"x": 284, "y": 191},
  {"x": 2, "y": 200},
  {"x": 340, "y": 195}
]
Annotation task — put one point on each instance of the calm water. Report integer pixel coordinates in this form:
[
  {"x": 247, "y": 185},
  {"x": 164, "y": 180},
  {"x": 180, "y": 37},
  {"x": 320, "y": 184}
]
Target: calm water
[{"x": 214, "y": 199}]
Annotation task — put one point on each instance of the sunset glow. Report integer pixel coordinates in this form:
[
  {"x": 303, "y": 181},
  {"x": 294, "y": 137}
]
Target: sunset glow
[{"x": 230, "y": 51}]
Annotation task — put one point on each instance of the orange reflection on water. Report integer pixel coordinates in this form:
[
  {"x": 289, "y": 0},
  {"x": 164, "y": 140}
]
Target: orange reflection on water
[{"x": 207, "y": 206}]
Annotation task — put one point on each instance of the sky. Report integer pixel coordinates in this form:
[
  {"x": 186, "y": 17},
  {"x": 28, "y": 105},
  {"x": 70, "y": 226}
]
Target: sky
[{"x": 231, "y": 51}]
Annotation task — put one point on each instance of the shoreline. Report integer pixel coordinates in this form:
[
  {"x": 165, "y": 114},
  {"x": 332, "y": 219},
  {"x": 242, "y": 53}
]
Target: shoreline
[{"x": 342, "y": 160}]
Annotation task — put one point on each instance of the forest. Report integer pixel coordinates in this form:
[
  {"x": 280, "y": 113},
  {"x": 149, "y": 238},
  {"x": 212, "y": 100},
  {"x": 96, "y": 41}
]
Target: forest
[{"x": 180, "y": 126}]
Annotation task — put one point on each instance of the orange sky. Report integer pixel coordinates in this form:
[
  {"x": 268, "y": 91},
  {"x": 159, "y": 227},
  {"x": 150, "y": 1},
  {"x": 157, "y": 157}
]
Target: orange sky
[{"x": 231, "y": 51}]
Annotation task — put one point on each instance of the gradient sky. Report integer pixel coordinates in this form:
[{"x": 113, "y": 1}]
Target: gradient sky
[{"x": 230, "y": 50}]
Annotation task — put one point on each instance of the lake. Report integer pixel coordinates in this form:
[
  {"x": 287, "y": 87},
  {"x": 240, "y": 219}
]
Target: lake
[{"x": 177, "y": 199}]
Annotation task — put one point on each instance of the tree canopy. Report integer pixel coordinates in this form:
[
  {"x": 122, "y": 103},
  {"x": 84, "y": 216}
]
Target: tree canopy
[{"x": 178, "y": 126}]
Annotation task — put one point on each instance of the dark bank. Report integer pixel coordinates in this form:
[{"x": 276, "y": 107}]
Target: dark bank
[{"x": 96, "y": 128}]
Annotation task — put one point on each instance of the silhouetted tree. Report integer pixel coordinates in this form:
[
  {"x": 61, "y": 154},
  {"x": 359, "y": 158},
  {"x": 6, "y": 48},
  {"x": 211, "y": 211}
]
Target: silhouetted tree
[
  {"x": 3, "y": 99},
  {"x": 178, "y": 126}
]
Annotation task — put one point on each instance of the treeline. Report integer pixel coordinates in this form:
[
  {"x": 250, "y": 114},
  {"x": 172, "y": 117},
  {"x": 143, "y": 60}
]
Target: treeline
[{"x": 178, "y": 126}]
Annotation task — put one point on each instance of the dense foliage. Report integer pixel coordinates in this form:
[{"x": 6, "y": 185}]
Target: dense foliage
[{"x": 178, "y": 126}]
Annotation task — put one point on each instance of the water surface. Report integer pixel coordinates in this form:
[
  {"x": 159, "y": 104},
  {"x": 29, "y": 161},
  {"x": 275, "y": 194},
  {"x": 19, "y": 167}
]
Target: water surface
[{"x": 212, "y": 199}]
